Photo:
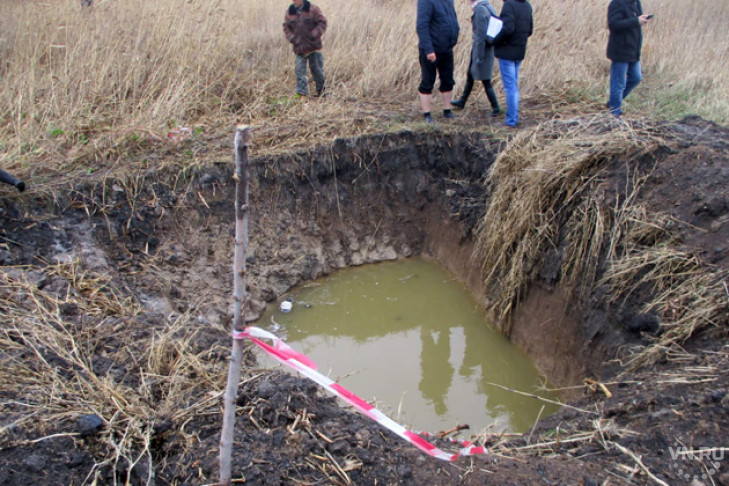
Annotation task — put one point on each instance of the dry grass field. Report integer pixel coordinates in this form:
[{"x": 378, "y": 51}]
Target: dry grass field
[{"x": 78, "y": 87}]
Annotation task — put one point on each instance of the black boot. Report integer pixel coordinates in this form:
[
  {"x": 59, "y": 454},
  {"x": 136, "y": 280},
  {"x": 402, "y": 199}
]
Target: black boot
[
  {"x": 460, "y": 103},
  {"x": 491, "y": 95}
]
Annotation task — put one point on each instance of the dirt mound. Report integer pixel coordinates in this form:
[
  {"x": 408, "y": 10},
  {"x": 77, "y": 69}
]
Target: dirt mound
[{"x": 115, "y": 297}]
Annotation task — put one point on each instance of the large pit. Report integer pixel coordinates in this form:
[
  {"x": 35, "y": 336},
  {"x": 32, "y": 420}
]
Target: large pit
[{"x": 161, "y": 243}]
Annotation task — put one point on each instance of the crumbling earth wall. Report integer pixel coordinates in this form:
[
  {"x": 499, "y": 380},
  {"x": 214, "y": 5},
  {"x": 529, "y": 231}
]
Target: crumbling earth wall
[{"x": 165, "y": 240}]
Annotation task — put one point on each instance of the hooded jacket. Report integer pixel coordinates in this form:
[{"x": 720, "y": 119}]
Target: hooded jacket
[
  {"x": 305, "y": 30},
  {"x": 437, "y": 25},
  {"x": 626, "y": 35},
  {"x": 518, "y": 27}
]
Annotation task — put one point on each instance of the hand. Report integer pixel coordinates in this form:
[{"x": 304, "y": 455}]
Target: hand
[
  {"x": 644, "y": 19},
  {"x": 431, "y": 56}
]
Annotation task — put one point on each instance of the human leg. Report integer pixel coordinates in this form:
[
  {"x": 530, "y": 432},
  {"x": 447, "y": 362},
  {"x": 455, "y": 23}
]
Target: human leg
[
  {"x": 633, "y": 77},
  {"x": 516, "y": 96},
  {"x": 461, "y": 102},
  {"x": 444, "y": 62},
  {"x": 316, "y": 64},
  {"x": 427, "y": 81},
  {"x": 302, "y": 79},
  {"x": 509, "y": 78},
  {"x": 491, "y": 95},
  {"x": 618, "y": 81}
]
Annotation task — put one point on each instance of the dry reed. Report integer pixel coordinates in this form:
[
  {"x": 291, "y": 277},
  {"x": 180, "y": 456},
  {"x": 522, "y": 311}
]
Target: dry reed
[
  {"x": 538, "y": 187},
  {"x": 544, "y": 196},
  {"x": 84, "y": 87},
  {"x": 76, "y": 349}
]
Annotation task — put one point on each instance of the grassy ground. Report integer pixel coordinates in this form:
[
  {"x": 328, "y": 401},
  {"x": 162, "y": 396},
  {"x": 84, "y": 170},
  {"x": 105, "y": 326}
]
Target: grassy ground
[{"x": 85, "y": 89}]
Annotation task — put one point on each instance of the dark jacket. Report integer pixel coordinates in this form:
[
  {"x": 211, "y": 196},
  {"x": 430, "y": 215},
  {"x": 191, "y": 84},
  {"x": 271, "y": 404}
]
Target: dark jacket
[
  {"x": 437, "y": 25},
  {"x": 626, "y": 35},
  {"x": 306, "y": 29},
  {"x": 518, "y": 27}
]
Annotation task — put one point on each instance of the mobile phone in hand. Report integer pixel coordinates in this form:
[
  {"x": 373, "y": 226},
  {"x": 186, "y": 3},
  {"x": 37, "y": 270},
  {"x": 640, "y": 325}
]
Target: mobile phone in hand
[{"x": 649, "y": 16}]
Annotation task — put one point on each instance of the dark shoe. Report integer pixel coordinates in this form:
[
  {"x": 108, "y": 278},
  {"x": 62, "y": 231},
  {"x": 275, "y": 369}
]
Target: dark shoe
[
  {"x": 448, "y": 114},
  {"x": 322, "y": 93},
  {"x": 496, "y": 112},
  {"x": 460, "y": 103},
  {"x": 429, "y": 119}
]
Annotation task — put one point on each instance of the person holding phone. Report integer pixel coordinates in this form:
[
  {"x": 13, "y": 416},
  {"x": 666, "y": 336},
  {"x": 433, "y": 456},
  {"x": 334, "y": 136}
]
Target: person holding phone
[{"x": 625, "y": 22}]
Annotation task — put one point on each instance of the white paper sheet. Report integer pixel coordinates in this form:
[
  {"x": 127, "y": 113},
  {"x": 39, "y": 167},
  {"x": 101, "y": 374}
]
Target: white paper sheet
[{"x": 494, "y": 27}]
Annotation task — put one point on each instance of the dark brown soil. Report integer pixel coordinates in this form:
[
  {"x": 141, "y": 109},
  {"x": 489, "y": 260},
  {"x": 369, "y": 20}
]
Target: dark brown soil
[{"x": 164, "y": 240}]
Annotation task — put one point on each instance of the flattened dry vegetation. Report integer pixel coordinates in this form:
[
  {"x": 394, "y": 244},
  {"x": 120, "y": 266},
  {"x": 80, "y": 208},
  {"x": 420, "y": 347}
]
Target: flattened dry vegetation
[
  {"x": 103, "y": 384},
  {"x": 553, "y": 189}
]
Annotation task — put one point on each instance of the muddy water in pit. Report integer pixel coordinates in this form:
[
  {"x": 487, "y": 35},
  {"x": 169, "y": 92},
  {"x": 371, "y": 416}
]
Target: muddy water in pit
[{"x": 410, "y": 339}]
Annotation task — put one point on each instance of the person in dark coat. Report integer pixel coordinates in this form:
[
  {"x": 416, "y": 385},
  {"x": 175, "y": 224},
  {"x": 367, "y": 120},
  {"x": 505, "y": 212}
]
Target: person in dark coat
[
  {"x": 437, "y": 26},
  {"x": 304, "y": 26},
  {"x": 625, "y": 21},
  {"x": 481, "y": 67},
  {"x": 510, "y": 49}
]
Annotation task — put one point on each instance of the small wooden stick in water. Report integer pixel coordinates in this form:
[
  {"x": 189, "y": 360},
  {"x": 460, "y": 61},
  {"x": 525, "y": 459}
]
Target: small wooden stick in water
[{"x": 457, "y": 428}]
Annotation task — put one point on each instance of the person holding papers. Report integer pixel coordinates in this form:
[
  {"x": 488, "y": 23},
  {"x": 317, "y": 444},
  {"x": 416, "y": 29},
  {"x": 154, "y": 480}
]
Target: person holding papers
[
  {"x": 481, "y": 67},
  {"x": 625, "y": 21},
  {"x": 510, "y": 49}
]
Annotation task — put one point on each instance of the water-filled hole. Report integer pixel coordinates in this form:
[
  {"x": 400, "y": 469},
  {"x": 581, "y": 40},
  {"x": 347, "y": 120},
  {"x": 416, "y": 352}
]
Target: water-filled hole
[{"x": 410, "y": 339}]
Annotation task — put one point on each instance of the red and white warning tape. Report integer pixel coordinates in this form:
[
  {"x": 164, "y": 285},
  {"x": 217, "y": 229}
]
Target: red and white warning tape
[{"x": 301, "y": 363}]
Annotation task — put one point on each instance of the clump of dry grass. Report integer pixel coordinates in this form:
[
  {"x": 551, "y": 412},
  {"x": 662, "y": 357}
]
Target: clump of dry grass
[
  {"x": 686, "y": 295},
  {"x": 76, "y": 348},
  {"x": 544, "y": 197},
  {"x": 538, "y": 186}
]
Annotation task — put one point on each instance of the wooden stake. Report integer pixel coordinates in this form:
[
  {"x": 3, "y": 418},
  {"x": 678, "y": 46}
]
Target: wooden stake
[{"x": 241, "y": 177}]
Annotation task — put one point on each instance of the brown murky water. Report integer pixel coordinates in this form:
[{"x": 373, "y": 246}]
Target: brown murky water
[{"x": 407, "y": 337}]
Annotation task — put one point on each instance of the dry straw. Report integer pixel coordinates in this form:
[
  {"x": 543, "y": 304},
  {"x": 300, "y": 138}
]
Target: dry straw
[
  {"x": 546, "y": 194},
  {"x": 84, "y": 88},
  {"x": 76, "y": 349}
]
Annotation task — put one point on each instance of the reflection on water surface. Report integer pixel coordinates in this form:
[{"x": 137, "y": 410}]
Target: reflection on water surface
[{"x": 406, "y": 336}]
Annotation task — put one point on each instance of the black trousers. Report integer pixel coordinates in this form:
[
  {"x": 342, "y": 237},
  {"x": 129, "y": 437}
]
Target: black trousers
[
  {"x": 487, "y": 86},
  {"x": 443, "y": 66}
]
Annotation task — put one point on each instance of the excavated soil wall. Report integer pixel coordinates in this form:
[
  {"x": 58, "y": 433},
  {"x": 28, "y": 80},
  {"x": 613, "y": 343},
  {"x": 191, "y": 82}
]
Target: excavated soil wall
[
  {"x": 169, "y": 234},
  {"x": 114, "y": 361}
]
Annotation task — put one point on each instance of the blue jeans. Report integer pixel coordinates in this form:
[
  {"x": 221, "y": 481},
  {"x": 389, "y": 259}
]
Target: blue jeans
[
  {"x": 624, "y": 76},
  {"x": 316, "y": 64},
  {"x": 510, "y": 79}
]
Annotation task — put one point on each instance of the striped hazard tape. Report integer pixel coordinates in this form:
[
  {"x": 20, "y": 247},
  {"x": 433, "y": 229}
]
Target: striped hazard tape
[{"x": 301, "y": 363}]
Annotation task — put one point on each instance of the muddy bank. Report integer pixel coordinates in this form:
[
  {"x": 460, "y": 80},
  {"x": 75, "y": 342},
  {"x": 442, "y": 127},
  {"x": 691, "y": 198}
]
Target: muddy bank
[
  {"x": 133, "y": 276},
  {"x": 391, "y": 196}
]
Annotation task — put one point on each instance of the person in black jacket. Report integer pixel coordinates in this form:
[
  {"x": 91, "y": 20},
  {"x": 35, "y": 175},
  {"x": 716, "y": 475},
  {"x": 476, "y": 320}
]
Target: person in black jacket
[
  {"x": 625, "y": 21},
  {"x": 510, "y": 49},
  {"x": 437, "y": 27}
]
